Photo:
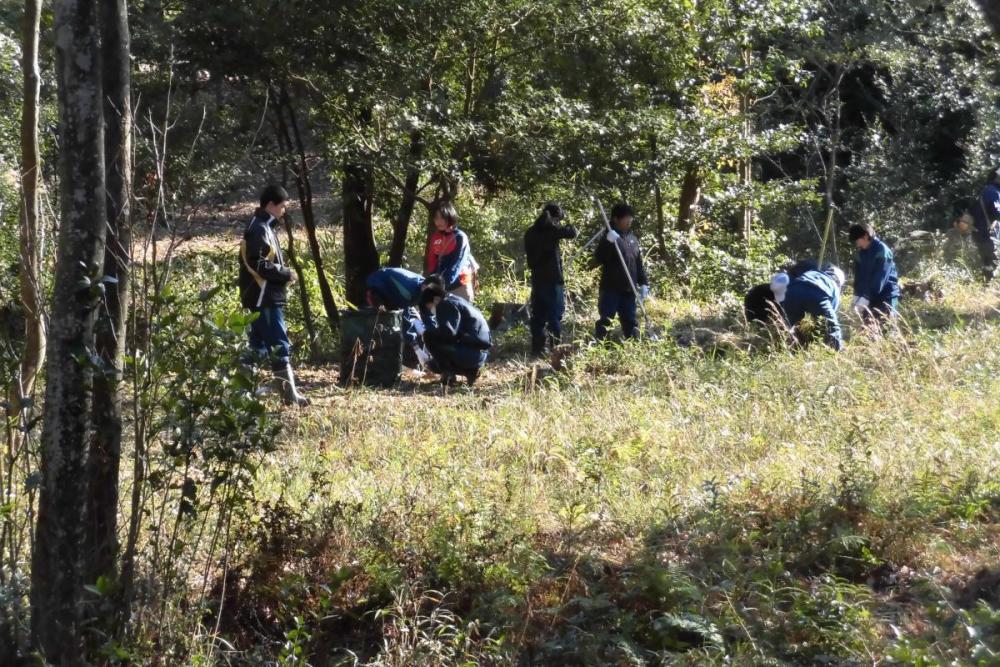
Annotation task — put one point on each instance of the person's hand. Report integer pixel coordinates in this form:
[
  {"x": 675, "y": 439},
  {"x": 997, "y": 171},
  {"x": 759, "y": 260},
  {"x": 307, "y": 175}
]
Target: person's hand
[
  {"x": 419, "y": 327},
  {"x": 423, "y": 356},
  {"x": 292, "y": 278},
  {"x": 613, "y": 236},
  {"x": 643, "y": 292}
]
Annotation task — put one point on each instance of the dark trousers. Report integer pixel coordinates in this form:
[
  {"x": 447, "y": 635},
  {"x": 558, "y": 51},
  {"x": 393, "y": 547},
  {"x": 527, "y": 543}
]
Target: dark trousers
[
  {"x": 880, "y": 312},
  {"x": 453, "y": 358},
  {"x": 548, "y": 304},
  {"x": 269, "y": 337},
  {"x": 611, "y": 303},
  {"x": 986, "y": 244}
]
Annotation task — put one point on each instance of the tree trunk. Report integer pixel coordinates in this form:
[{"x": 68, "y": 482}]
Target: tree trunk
[
  {"x": 689, "y": 198},
  {"x": 304, "y": 186},
  {"x": 58, "y": 566},
  {"x": 991, "y": 8},
  {"x": 401, "y": 225},
  {"x": 105, "y": 444},
  {"x": 360, "y": 253},
  {"x": 307, "y": 315},
  {"x": 661, "y": 238},
  {"x": 30, "y": 220}
]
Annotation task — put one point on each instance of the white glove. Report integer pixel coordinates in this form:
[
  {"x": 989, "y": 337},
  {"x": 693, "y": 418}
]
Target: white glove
[
  {"x": 419, "y": 326},
  {"x": 860, "y": 304},
  {"x": 779, "y": 285},
  {"x": 423, "y": 356},
  {"x": 613, "y": 236},
  {"x": 643, "y": 292}
]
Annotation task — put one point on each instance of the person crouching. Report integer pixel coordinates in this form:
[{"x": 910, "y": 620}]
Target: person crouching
[{"x": 455, "y": 332}]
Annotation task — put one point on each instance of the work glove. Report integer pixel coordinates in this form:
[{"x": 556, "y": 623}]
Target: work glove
[
  {"x": 613, "y": 236},
  {"x": 779, "y": 285},
  {"x": 643, "y": 292},
  {"x": 419, "y": 327},
  {"x": 860, "y": 304}
]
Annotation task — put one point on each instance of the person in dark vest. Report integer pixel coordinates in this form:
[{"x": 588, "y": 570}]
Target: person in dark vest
[
  {"x": 548, "y": 299},
  {"x": 455, "y": 332},
  {"x": 985, "y": 213},
  {"x": 264, "y": 278},
  {"x": 619, "y": 273},
  {"x": 817, "y": 293},
  {"x": 876, "y": 282}
]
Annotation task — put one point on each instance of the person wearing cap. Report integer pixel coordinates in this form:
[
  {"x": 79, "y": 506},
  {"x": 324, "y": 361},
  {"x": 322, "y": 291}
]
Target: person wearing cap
[
  {"x": 816, "y": 293},
  {"x": 876, "y": 282},
  {"x": 448, "y": 253},
  {"x": 263, "y": 280},
  {"x": 985, "y": 211},
  {"x": 620, "y": 259},
  {"x": 455, "y": 332},
  {"x": 762, "y": 302},
  {"x": 548, "y": 299}
]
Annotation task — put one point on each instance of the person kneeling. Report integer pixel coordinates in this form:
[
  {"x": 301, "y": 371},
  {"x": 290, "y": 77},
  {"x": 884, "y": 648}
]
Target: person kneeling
[{"x": 456, "y": 334}]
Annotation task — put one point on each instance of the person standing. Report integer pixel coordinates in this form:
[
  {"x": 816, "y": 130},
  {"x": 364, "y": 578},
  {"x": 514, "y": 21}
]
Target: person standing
[
  {"x": 622, "y": 274},
  {"x": 548, "y": 298},
  {"x": 985, "y": 213},
  {"x": 263, "y": 280},
  {"x": 448, "y": 253},
  {"x": 876, "y": 282}
]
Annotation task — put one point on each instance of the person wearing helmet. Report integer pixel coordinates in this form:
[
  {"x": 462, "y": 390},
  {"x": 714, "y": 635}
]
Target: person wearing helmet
[
  {"x": 876, "y": 282},
  {"x": 817, "y": 293},
  {"x": 985, "y": 211},
  {"x": 548, "y": 300},
  {"x": 264, "y": 278}
]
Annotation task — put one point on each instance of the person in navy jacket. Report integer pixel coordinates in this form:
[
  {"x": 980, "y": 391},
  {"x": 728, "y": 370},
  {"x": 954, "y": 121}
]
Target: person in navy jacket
[
  {"x": 448, "y": 253},
  {"x": 619, "y": 272},
  {"x": 876, "y": 282},
  {"x": 456, "y": 333},
  {"x": 817, "y": 293},
  {"x": 985, "y": 211},
  {"x": 264, "y": 278},
  {"x": 548, "y": 299}
]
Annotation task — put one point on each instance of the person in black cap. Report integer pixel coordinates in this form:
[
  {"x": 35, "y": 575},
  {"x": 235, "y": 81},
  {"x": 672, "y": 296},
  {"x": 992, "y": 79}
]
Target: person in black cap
[
  {"x": 263, "y": 281},
  {"x": 548, "y": 299},
  {"x": 455, "y": 332}
]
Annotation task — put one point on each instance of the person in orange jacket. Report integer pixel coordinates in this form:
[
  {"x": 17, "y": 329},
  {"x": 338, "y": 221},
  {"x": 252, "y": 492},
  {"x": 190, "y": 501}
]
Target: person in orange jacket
[{"x": 448, "y": 253}]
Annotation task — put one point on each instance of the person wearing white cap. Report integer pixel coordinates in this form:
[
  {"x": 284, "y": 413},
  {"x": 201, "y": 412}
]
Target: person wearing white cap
[
  {"x": 985, "y": 212},
  {"x": 817, "y": 293}
]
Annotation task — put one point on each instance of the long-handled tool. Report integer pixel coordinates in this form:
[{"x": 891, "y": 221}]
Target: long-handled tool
[{"x": 638, "y": 297}]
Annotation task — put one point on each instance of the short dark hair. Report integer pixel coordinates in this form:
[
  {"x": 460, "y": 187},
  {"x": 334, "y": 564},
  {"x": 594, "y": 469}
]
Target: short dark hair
[
  {"x": 554, "y": 211},
  {"x": 859, "y": 230},
  {"x": 431, "y": 292},
  {"x": 432, "y": 280},
  {"x": 621, "y": 210},
  {"x": 447, "y": 211},
  {"x": 273, "y": 194}
]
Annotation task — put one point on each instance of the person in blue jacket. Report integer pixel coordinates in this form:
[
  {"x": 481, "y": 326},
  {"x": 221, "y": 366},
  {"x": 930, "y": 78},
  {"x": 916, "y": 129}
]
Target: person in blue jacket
[
  {"x": 818, "y": 294},
  {"x": 456, "y": 333},
  {"x": 398, "y": 289},
  {"x": 876, "y": 282},
  {"x": 985, "y": 211}
]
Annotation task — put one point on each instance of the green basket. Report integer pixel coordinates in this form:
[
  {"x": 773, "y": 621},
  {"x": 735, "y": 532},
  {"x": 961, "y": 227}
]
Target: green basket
[{"x": 371, "y": 347}]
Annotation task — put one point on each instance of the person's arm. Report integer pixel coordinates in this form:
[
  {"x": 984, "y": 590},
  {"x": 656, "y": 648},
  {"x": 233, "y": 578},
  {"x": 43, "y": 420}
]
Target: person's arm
[
  {"x": 640, "y": 270},
  {"x": 442, "y": 324},
  {"x": 878, "y": 276},
  {"x": 451, "y": 264},
  {"x": 565, "y": 231},
  {"x": 833, "y": 335},
  {"x": 258, "y": 249}
]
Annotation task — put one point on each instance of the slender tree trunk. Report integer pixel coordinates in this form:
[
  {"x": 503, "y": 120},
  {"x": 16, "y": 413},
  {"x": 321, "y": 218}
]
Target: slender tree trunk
[
  {"x": 832, "y": 166},
  {"x": 360, "y": 253},
  {"x": 401, "y": 225},
  {"x": 746, "y": 165},
  {"x": 58, "y": 566},
  {"x": 689, "y": 198},
  {"x": 661, "y": 231},
  {"x": 307, "y": 314},
  {"x": 30, "y": 219},
  {"x": 105, "y": 445},
  {"x": 304, "y": 186}
]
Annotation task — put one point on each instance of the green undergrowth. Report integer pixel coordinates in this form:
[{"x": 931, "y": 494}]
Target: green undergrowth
[{"x": 656, "y": 503}]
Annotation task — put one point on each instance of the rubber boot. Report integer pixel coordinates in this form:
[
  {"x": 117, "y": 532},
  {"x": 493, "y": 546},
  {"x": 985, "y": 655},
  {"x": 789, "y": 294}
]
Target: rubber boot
[{"x": 284, "y": 382}]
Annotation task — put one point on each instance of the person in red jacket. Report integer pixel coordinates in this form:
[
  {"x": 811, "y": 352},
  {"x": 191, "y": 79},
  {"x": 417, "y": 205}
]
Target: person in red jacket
[{"x": 448, "y": 253}]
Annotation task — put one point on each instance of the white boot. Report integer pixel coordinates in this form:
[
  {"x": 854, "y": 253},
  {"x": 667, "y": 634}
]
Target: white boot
[{"x": 284, "y": 381}]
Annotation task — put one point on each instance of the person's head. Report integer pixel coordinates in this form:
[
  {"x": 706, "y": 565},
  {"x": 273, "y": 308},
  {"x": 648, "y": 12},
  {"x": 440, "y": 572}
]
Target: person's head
[
  {"x": 553, "y": 211},
  {"x": 445, "y": 217},
  {"x": 964, "y": 223},
  {"x": 835, "y": 273},
  {"x": 273, "y": 199},
  {"x": 431, "y": 294},
  {"x": 861, "y": 235},
  {"x": 621, "y": 217},
  {"x": 432, "y": 280}
]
